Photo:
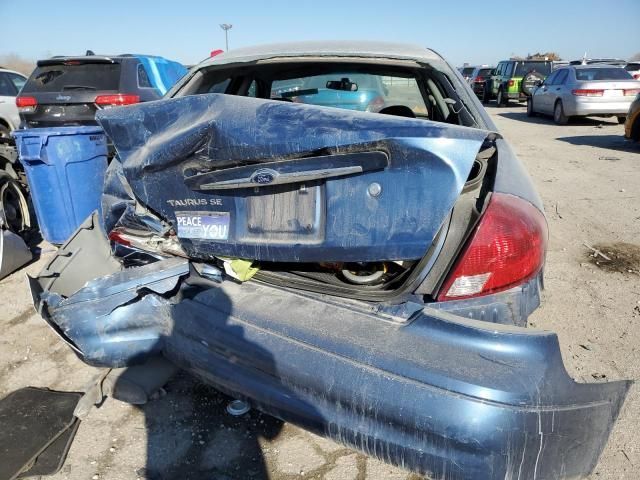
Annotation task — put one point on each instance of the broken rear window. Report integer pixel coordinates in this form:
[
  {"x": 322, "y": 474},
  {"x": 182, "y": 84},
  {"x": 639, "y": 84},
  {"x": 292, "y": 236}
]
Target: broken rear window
[{"x": 352, "y": 91}]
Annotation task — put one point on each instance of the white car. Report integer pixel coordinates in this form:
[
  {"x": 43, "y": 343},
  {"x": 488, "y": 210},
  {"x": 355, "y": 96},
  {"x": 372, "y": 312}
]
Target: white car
[
  {"x": 584, "y": 90},
  {"x": 10, "y": 84}
]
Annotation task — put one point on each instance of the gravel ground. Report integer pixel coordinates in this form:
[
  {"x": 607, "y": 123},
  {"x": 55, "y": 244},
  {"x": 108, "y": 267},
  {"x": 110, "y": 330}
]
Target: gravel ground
[{"x": 588, "y": 178}]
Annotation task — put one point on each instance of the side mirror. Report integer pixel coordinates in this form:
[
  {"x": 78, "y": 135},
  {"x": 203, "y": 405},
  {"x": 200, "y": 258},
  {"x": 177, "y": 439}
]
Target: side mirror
[{"x": 539, "y": 83}]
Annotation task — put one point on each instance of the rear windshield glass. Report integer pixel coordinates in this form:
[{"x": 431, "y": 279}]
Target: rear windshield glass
[
  {"x": 632, "y": 67},
  {"x": 484, "y": 72},
  {"x": 90, "y": 76},
  {"x": 353, "y": 91},
  {"x": 589, "y": 74},
  {"x": 467, "y": 71},
  {"x": 525, "y": 67}
]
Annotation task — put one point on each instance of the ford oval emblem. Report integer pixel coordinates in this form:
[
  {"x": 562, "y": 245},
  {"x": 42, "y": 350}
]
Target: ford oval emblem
[{"x": 264, "y": 177}]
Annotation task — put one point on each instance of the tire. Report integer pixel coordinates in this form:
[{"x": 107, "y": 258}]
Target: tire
[
  {"x": 500, "y": 100},
  {"x": 558, "y": 114},
  {"x": 635, "y": 130},
  {"x": 4, "y": 131},
  {"x": 529, "y": 82},
  {"x": 621, "y": 120},
  {"x": 486, "y": 93},
  {"x": 530, "y": 112},
  {"x": 14, "y": 204}
]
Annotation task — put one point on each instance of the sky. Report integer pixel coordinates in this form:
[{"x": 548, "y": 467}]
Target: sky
[{"x": 476, "y": 32}]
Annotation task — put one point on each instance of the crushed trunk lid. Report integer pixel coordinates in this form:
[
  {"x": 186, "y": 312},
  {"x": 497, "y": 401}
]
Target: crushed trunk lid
[{"x": 283, "y": 182}]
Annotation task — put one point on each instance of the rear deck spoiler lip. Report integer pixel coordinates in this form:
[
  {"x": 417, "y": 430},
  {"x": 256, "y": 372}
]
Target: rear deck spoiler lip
[{"x": 81, "y": 60}]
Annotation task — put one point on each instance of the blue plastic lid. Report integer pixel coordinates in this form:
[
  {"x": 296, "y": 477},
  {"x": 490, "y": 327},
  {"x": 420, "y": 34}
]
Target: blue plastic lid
[{"x": 50, "y": 131}]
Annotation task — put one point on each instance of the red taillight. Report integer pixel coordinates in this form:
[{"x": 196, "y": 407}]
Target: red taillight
[
  {"x": 631, "y": 92},
  {"x": 506, "y": 249},
  {"x": 587, "y": 92},
  {"x": 118, "y": 99},
  {"x": 376, "y": 104},
  {"x": 119, "y": 237},
  {"x": 478, "y": 79},
  {"x": 511, "y": 83},
  {"x": 636, "y": 76},
  {"x": 26, "y": 104}
]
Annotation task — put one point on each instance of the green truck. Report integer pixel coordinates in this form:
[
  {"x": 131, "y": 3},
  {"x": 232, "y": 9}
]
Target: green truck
[{"x": 515, "y": 80}]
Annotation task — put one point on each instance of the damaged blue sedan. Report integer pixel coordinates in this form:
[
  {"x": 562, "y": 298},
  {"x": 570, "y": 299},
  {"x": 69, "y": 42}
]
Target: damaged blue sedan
[{"x": 363, "y": 272}]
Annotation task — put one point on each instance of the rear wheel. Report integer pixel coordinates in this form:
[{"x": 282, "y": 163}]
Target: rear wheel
[
  {"x": 500, "y": 99},
  {"x": 530, "y": 112},
  {"x": 14, "y": 206},
  {"x": 621, "y": 120},
  {"x": 635, "y": 130},
  {"x": 530, "y": 82},
  {"x": 486, "y": 94},
  {"x": 4, "y": 131},
  {"x": 558, "y": 114}
]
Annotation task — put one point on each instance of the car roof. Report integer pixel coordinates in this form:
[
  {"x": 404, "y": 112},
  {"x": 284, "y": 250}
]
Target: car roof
[
  {"x": 525, "y": 61},
  {"x": 12, "y": 71},
  {"x": 325, "y": 49},
  {"x": 595, "y": 65},
  {"x": 92, "y": 58}
]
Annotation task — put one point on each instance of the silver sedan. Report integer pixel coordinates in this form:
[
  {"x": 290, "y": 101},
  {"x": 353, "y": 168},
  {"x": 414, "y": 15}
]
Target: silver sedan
[{"x": 584, "y": 90}]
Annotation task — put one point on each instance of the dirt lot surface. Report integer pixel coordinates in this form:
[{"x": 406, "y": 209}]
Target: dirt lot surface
[{"x": 589, "y": 179}]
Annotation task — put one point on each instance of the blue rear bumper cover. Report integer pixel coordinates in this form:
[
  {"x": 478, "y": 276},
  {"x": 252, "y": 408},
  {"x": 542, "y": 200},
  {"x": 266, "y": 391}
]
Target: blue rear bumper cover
[{"x": 437, "y": 394}]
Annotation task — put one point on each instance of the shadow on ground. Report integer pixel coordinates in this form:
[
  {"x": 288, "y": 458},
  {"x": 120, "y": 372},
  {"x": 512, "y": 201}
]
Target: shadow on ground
[
  {"x": 612, "y": 142},
  {"x": 543, "y": 119},
  {"x": 191, "y": 436}
]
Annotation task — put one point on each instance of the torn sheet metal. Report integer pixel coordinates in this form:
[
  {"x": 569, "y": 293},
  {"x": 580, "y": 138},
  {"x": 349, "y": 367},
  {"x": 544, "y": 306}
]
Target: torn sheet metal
[
  {"x": 14, "y": 253},
  {"x": 436, "y": 394},
  {"x": 279, "y": 181}
]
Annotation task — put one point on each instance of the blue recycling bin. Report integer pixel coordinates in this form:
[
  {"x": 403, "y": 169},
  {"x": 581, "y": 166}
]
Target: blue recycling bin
[{"x": 65, "y": 167}]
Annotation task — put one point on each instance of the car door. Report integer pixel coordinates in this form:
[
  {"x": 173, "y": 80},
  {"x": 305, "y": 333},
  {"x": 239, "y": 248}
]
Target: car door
[
  {"x": 8, "y": 109},
  {"x": 496, "y": 78},
  {"x": 559, "y": 89},
  {"x": 541, "y": 100}
]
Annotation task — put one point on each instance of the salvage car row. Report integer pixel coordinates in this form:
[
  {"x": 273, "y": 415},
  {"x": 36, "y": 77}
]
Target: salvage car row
[
  {"x": 564, "y": 90},
  {"x": 338, "y": 235}
]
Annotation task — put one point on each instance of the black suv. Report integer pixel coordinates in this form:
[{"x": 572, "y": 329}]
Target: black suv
[{"x": 69, "y": 90}]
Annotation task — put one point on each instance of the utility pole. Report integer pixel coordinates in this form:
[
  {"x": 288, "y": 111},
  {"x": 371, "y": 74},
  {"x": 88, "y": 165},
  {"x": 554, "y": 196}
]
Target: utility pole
[{"x": 226, "y": 27}]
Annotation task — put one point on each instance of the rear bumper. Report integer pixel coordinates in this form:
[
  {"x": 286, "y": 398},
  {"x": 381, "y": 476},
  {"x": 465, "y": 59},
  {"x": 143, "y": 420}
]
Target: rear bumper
[
  {"x": 434, "y": 393},
  {"x": 582, "y": 107}
]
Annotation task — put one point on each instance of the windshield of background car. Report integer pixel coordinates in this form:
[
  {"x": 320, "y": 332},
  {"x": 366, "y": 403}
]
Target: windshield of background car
[
  {"x": 632, "y": 67},
  {"x": 523, "y": 68},
  {"x": 89, "y": 76},
  {"x": 613, "y": 73},
  {"x": 467, "y": 71},
  {"x": 373, "y": 93}
]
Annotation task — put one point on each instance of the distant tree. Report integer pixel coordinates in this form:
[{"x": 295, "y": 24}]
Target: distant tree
[
  {"x": 544, "y": 56},
  {"x": 15, "y": 62},
  {"x": 635, "y": 58}
]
